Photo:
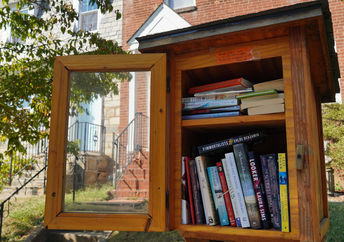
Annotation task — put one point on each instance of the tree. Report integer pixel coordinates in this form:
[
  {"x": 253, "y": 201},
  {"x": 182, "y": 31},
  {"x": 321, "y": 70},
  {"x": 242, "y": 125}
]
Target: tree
[
  {"x": 26, "y": 66},
  {"x": 333, "y": 126}
]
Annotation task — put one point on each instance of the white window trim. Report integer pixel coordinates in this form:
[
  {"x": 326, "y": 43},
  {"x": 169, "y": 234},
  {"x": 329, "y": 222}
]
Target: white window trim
[
  {"x": 88, "y": 12},
  {"x": 192, "y": 5}
]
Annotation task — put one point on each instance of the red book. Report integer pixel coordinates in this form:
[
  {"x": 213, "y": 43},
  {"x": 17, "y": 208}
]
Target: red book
[
  {"x": 240, "y": 82},
  {"x": 228, "y": 202},
  {"x": 192, "y": 211}
]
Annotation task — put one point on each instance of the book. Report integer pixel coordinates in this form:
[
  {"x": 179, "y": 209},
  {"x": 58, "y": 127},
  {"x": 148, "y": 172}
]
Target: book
[
  {"x": 269, "y": 171},
  {"x": 284, "y": 197},
  {"x": 234, "y": 186},
  {"x": 211, "y": 115},
  {"x": 196, "y": 194},
  {"x": 240, "y": 153},
  {"x": 218, "y": 145},
  {"x": 186, "y": 216},
  {"x": 238, "y": 82},
  {"x": 222, "y": 92},
  {"x": 265, "y": 109},
  {"x": 208, "y": 202},
  {"x": 274, "y": 84},
  {"x": 209, "y": 104},
  {"x": 190, "y": 194},
  {"x": 226, "y": 196},
  {"x": 258, "y": 187},
  {"x": 254, "y": 94},
  {"x": 257, "y": 103},
  {"x": 261, "y": 98},
  {"x": 217, "y": 192},
  {"x": 213, "y": 110}
]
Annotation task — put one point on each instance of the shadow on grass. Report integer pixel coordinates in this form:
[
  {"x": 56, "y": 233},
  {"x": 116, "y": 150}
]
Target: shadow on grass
[
  {"x": 336, "y": 230},
  {"x": 145, "y": 237}
]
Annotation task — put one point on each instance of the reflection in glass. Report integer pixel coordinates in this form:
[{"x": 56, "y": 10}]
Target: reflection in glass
[{"x": 107, "y": 161}]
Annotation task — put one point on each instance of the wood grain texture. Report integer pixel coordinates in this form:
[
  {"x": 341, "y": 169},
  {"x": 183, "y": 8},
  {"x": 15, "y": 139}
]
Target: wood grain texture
[{"x": 55, "y": 218}]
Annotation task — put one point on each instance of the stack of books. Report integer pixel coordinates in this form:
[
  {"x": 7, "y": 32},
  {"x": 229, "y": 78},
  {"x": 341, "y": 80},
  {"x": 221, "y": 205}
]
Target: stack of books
[
  {"x": 243, "y": 189},
  {"x": 215, "y": 99},
  {"x": 268, "y": 97}
]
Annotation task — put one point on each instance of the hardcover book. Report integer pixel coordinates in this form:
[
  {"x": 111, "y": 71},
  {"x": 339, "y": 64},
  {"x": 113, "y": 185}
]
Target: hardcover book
[
  {"x": 208, "y": 203},
  {"x": 196, "y": 194},
  {"x": 221, "y": 91},
  {"x": 240, "y": 153},
  {"x": 211, "y": 115},
  {"x": 269, "y": 170},
  {"x": 186, "y": 217},
  {"x": 240, "y": 82},
  {"x": 254, "y": 94},
  {"x": 188, "y": 178},
  {"x": 250, "y": 137},
  {"x": 209, "y": 104},
  {"x": 258, "y": 186},
  {"x": 283, "y": 185},
  {"x": 233, "y": 180},
  {"x": 271, "y": 108},
  {"x": 226, "y": 196},
  {"x": 213, "y": 110},
  {"x": 274, "y": 84},
  {"x": 217, "y": 192}
]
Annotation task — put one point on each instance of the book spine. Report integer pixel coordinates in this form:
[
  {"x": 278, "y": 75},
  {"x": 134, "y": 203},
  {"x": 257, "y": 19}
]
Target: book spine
[
  {"x": 232, "y": 176},
  {"x": 216, "y": 85},
  {"x": 283, "y": 185},
  {"x": 188, "y": 177},
  {"x": 214, "y": 110},
  {"x": 208, "y": 203},
  {"x": 184, "y": 192},
  {"x": 210, "y": 115},
  {"x": 269, "y": 169},
  {"x": 259, "y": 93},
  {"x": 251, "y": 137},
  {"x": 218, "y": 195},
  {"x": 246, "y": 183},
  {"x": 259, "y": 190},
  {"x": 209, "y": 104},
  {"x": 226, "y": 196},
  {"x": 196, "y": 193}
]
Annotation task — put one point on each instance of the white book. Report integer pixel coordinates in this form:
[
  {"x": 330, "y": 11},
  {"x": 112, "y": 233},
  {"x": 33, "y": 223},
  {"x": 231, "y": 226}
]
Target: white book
[
  {"x": 274, "y": 100},
  {"x": 265, "y": 109},
  {"x": 274, "y": 84},
  {"x": 232, "y": 177},
  {"x": 260, "y": 98},
  {"x": 208, "y": 202}
]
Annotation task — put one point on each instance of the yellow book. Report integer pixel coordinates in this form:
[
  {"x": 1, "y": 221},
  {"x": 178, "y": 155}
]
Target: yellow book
[{"x": 283, "y": 184}]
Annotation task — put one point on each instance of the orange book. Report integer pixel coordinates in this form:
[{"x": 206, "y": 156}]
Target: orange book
[{"x": 235, "y": 83}]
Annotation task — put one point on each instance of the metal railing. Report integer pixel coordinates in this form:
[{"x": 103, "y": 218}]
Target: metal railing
[
  {"x": 89, "y": 137},
  {"x": 128, "y": 143}
]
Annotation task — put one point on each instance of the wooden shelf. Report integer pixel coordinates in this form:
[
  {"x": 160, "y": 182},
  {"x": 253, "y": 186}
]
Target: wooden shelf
[{"x": 270, "y": 120}]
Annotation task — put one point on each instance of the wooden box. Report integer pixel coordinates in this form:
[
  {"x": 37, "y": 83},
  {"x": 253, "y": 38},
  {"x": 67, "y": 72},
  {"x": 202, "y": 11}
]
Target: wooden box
[{"x": 289, "y": 43}]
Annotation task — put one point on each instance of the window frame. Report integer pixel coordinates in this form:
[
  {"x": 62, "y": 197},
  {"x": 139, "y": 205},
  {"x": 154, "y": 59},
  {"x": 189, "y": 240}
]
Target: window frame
[
  {"x": 55, "y": 217},
  {"x": 81, "y": 13},
  {"x": 170, "y": 3}
]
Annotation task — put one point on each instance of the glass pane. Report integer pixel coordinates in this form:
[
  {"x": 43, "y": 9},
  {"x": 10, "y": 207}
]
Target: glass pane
[{"x": 107, "y": 162}]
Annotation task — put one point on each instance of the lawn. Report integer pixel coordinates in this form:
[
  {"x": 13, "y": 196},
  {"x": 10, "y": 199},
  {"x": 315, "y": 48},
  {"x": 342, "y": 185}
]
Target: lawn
[{"x": 27, "y": 213}]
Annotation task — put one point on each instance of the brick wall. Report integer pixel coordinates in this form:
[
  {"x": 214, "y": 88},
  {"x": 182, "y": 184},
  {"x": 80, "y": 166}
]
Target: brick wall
[{"x": 135, "y": 12}]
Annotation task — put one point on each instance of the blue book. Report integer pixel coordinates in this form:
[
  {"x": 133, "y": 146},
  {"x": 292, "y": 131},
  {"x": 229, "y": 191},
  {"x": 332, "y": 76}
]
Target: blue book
[
  {"x": 217, "y": 192},
  {"x": 210, "y": 115},
  {"x": 209, "y": 104}
]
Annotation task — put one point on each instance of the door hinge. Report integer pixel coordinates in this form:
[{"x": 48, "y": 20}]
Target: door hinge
[
  {"x": 167, "y": 199},
  {"x": 168, "y": 81}
]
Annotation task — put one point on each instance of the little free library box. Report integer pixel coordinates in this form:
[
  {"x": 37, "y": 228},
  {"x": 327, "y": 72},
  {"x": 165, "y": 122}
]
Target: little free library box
[{"x": 145, "y": 131}]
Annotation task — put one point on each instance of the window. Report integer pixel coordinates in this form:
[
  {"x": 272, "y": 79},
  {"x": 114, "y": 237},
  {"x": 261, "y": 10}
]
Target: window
[
  {"x": 179, "y": 4},
  {"x": 88, "y": 16}
]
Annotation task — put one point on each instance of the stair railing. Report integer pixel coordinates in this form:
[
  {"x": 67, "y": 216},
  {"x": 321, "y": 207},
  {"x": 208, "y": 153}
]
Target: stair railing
[{"x": 132, "y": 139}]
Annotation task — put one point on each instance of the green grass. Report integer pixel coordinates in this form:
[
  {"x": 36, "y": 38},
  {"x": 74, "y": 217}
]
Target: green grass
[
  {"x": 27, "y": 213},
  {"x": 336, "y": 230}
]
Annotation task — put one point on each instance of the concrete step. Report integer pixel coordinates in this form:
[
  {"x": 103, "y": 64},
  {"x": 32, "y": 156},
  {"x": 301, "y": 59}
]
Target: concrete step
[{"x": 129, "y": 194}]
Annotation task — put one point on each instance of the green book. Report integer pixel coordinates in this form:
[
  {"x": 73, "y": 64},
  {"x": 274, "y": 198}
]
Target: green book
[{"x": 259, "y": 93}]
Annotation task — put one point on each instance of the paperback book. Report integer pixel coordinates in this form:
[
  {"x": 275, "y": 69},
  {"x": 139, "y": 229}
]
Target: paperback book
[
  {"x": 209, "y": 104},
  {"x": 217, "y": 192},
  {"x": 223, "y": 144},
  {"x": 240, "y": 152},
  {"x": 211, "y": 115},
  {"x": 186, "y": 218},
  {"x": 283, "y": 186},
  {"x": 190, "y": 193},
  {"x": 255, "y": 94},
  {"x": 274, "y": 84}
]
